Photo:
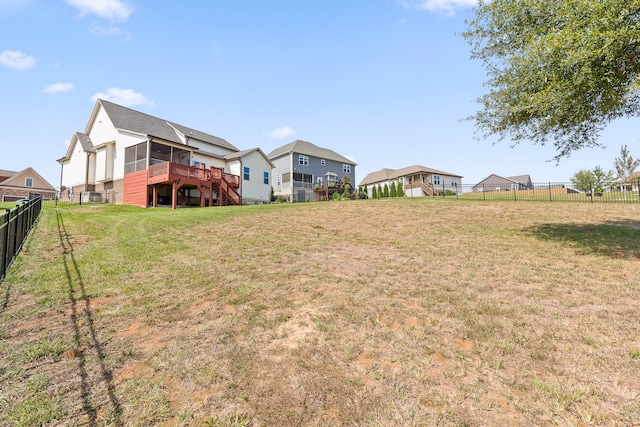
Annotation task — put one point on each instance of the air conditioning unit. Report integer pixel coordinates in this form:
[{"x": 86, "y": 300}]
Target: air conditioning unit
[{"x": 91, "y": 196}]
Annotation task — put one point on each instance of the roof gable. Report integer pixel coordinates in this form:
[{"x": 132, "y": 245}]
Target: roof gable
[
  {"x": 17, "y": 180},
  {"x": 240, "y": 154},
  {"x": 309, "y": 149}
]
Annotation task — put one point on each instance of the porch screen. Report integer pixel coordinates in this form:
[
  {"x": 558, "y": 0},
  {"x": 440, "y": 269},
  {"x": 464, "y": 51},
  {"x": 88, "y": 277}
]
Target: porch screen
[
  {"x": 135, "y": 158},
  {"x": 165, "y": 153},
  {"x": 302, "y": 177}
]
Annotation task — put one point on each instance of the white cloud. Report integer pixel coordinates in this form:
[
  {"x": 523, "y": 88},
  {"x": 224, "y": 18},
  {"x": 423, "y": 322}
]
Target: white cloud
[
  {"x": 282, "y": 132},
  {"x": 17, "y": 60},
  {"x": 58, "y": 87},
  {"x": 114, "y": 10},
  {"x": 446, "y": 6},
  {"x": 125, "y": 97}
]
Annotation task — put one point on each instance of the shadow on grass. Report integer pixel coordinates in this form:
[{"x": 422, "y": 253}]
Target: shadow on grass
[
  {"x": 81, "y": 308},
  {"x": 615, "y": 239}
]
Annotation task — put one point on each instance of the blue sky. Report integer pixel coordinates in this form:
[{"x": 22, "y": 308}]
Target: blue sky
[{"x": 384, "y": 82}]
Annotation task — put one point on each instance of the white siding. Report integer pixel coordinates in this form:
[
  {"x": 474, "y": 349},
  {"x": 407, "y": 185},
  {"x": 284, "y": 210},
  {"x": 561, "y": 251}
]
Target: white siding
[
  {"x": 254, "y": 190},
  {"x": 104, "y": 163},
  {"x": 73, "y": 170}
]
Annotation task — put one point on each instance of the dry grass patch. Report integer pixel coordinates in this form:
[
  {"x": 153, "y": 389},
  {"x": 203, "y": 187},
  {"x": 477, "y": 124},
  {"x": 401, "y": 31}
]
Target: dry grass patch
[{"x": 392, "y": 312}]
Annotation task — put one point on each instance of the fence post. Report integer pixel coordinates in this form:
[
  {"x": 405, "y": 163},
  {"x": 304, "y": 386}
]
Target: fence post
[
  {"x": 591, "y": 191},
  {"x": 515, "y": 197},
  {"x": 550, "y": 197}
]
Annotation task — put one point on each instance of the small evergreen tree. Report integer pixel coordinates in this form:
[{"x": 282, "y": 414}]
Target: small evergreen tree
[
  {"x": 400, "y": 190},
  {"x": 379, "y": 192},
  {"x": 392, "y": 190},
  {"x": 374, "y": 193},
  {"x": 386, "y": 190}
]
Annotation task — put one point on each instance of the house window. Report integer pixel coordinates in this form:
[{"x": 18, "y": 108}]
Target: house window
[
  {"x": 246, "y": 174},
  {"x": 322, "y": 162},
  {"x": 303, "y": 160},
  {"x": 436, "y": 179},
  {"x": 135, "y": 158},
  {"x": 454, "y": 182},
  {"x": 346, "y": 168},
  {"x": 266, "y": 178},
  {"x": 28, "y": 182}
]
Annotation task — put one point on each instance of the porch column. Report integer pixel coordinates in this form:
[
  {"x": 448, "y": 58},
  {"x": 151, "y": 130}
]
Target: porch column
[
  {"x": 174, "y": 193},
  {"x": 155, "y": 196}
]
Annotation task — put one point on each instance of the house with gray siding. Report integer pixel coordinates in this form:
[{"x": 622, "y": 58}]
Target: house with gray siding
[{"x": 301, "y": 165}]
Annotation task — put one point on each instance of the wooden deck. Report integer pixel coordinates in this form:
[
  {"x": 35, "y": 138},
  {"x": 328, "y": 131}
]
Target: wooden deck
[{"x": 182, "y": 178}]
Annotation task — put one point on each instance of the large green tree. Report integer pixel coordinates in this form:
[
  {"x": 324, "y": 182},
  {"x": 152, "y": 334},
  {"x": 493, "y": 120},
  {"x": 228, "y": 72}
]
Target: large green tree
[{"x": 559, "y": 70}]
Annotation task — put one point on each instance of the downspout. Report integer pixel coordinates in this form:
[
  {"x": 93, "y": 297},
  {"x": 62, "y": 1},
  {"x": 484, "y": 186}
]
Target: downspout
[
  {"x": 60, "y": 187},
  {"x": 242, "y": 179},
  {"x": 86, "y": 174},
  {"x": 291, "y": 177}
]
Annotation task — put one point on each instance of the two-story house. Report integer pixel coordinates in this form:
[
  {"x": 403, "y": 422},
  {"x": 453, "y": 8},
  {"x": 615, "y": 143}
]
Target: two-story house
[
  {"x": 133, "y": 158},
  {"x": 300, "y": 166}
]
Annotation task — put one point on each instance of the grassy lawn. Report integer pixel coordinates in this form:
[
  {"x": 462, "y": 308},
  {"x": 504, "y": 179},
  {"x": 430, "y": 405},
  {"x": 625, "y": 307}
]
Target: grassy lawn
[{"x": 371, "y": 313}]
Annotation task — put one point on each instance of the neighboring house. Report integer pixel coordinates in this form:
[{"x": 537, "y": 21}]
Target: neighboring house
[
  {"x": 416, "y": 181},
  {"x": 300, "y": 166},
  {"x": 134, "y": 158},
  {"x": 23, "y": 185},
  {"x": 497, "y": 183},
  {"x": 630, "y": 183}
]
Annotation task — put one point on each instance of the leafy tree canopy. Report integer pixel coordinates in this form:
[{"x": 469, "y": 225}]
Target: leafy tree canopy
[
  {"x": 625, "y": 164},
  {"x": 559, "y": 70}
]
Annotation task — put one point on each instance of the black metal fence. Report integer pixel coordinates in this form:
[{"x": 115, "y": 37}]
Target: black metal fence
[
  {"x": 83, "y": 198},
  {"x": 603, "y": 192},
  {"x": 15, "y": 225}
]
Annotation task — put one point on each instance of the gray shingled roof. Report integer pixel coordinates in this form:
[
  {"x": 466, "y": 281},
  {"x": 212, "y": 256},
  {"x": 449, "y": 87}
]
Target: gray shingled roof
[
  {"x": 242, "y": 153},
  {"x": 304, "y": 147},
  {"x": 135, "y": 121},
  {"x": 387, "y": 174},
  {"x": 522, "y": 179},
  {"x": 85, "y": 141},
  {"x": 202, "y": 136}
]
